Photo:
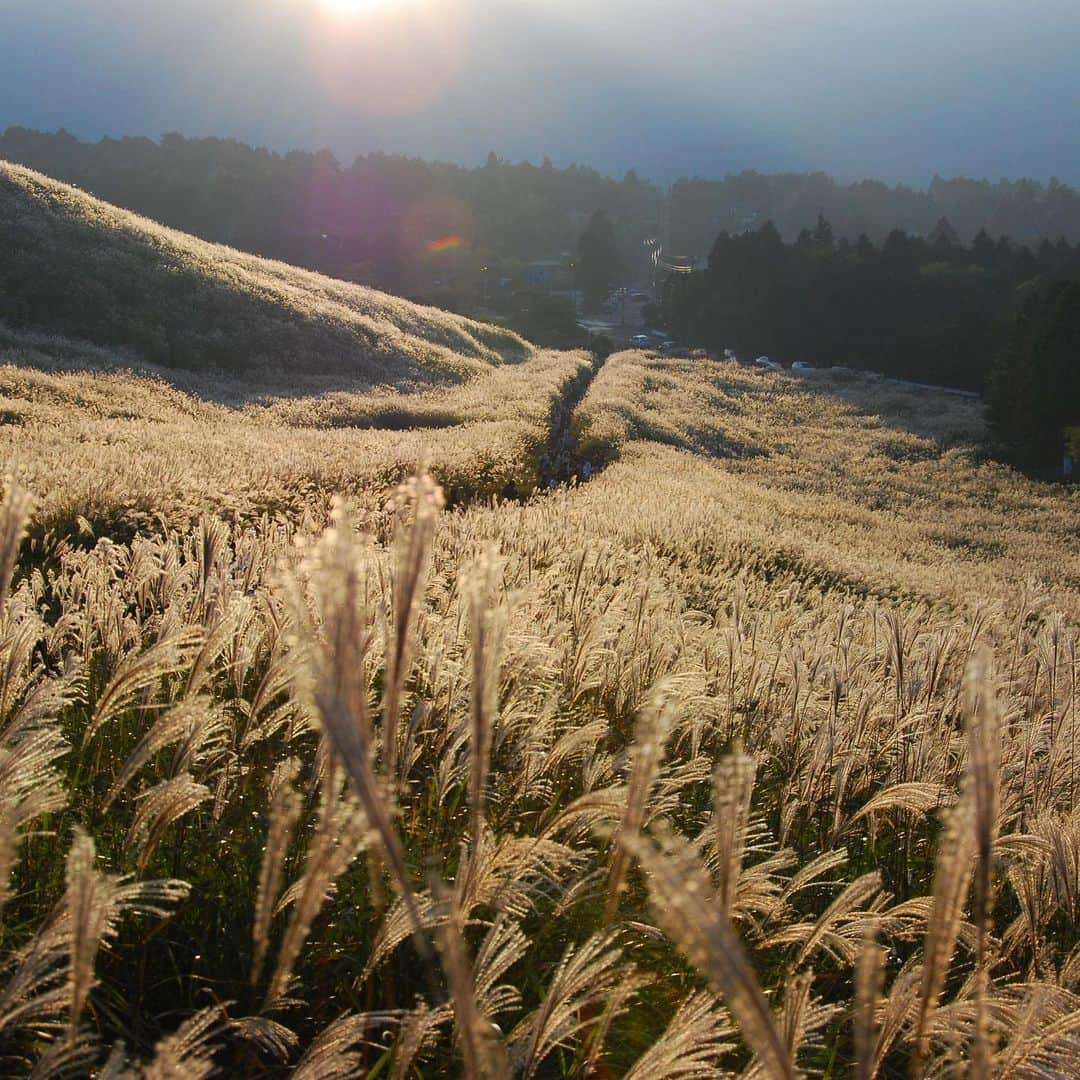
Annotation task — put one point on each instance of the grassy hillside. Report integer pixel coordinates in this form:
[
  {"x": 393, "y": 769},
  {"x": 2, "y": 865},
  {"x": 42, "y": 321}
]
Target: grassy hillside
[
  {"x": 76, "y": 266},
  {"x": 149, "y": 449},
  {"x": 758, "y": 754}
]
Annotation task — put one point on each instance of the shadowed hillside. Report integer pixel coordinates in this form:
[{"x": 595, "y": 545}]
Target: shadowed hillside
[{"x": 83, "y": 268}]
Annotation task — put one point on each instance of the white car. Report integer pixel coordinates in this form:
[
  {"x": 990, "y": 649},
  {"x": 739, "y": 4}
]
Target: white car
[
  {"x": 642, "y": 341},
  {"x": 802, "y": 365},
  {"x": 765, "y": 362}
]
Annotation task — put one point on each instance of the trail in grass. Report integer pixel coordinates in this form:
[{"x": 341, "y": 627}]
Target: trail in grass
[{"x": 561, "y": 459}]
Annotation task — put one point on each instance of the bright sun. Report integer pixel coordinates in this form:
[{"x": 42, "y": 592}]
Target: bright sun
[{"x": 353, "y": 7}]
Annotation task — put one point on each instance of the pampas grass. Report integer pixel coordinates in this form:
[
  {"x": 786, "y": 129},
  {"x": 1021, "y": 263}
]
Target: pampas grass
[{"x": 752, "y": 756}]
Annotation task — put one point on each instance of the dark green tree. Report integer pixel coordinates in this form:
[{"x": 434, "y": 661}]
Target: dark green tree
[
  {"x": 983, "y": 248},
  {"x": 1034, "y": 390},
  {"x": 823, "y": 232},
  {"x": 599, "y": 262}
]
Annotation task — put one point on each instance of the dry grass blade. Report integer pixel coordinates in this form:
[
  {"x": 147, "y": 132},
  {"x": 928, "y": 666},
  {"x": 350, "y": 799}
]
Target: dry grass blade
[
  {"x": 951, "y": 880},
  {"x": 869, "y": 980},
  {"x": 680, "y": 891},
  {"x": 984, "y": 765},
  {"x": 646, "y": 756},
  {"x": 484, "y": 1055}
]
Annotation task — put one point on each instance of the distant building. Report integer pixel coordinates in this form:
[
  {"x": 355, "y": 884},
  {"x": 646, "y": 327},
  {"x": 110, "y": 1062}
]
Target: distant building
[{"x": 551, "y": 275}]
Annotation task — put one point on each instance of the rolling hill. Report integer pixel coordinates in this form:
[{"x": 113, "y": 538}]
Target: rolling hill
[{"x": 82, "y": 268}]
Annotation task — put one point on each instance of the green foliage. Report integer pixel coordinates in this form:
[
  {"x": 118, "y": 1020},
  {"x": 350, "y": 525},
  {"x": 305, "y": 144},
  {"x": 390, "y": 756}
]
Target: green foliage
[
  {"x": 929, "y": 311},
  {"x": 599, "y": 261},
  {"x": 1034, "y": 393}
]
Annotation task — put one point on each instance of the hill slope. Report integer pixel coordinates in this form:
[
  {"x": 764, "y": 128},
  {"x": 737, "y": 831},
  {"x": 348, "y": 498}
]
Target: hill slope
[
  {"x": 764, "y": 654},
  {"x": 80, "y": 267}
]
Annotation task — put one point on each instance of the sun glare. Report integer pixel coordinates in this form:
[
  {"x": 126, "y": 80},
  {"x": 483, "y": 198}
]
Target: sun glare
[
  {"x": 353, "y": 7},
  {"x": 387, "y": 57}
]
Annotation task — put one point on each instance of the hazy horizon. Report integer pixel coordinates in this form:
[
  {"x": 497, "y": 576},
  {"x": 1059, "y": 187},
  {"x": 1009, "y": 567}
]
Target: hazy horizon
[{"x": 899, "y": 95}]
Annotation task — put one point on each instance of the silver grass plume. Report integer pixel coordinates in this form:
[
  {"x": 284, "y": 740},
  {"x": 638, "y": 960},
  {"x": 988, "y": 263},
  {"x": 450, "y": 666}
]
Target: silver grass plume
[
  {"x": 159, "y": 807},
  {"x": 93, "y": 905},
  {"x": 418, "y": 1030},
  {"x": 733, "y": 787},
  {"x": 285, "y": 806},
  {"x": 341, "y": 833},
  {"x": 487, "y": 629},
  {"x": 869, "y": 979},
  {"x": 682, "y": 901},
  {"x": 583, "y": 979},
  {"x": 483, "y": 1054},
  {"x": 141, "y": 671},
  {"x": 31, "y": 788},
  {"x": 984, "y": 765},
  {"x": 14, "y": 514},
  {"x": 334, "y": 1054},
  {"x": 952, "y": 878},
  {"x": 336, "y": 659},
  {"x": 646, "y": 756},
  {"x": 697, "y": 1036},
  {"x": 268, "y": 1036},
  {"x": 421, "y": 498},
  {"x": 70, "y": 1059},
  {"x": 188, "y": 1054}
]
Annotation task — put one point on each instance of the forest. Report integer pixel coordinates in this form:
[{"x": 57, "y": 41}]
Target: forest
[{"x": 927, "y": 309}]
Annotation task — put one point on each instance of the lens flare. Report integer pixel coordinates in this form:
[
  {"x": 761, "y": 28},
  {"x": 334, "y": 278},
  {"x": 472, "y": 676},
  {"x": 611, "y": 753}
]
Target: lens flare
[{"x": 446, "y": 243}]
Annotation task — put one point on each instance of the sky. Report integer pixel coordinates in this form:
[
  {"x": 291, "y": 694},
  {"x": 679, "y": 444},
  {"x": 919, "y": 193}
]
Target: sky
[{"x": 881, "y": 89}]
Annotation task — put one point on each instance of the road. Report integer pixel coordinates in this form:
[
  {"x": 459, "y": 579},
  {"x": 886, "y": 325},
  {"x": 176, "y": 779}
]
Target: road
[{"x": 615, "y": 326}]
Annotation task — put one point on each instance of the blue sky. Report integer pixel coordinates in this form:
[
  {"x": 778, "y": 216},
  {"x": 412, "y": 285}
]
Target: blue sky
[{"x": 895, "y": 91}]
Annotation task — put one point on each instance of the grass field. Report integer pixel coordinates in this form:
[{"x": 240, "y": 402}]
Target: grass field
[{"x": 755, "y": 755}]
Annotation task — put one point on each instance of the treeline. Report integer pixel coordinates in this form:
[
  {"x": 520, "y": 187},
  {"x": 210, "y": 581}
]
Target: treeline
[
  {"x": 932, "y": 309},
  {"x": 374, "y": 218},
  {"x": 395, "y": 222},
  {"x": 1026, "y": 210}
]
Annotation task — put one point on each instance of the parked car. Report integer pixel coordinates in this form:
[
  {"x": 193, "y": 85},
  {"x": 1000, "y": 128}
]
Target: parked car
[
  {"x": 771, "y": 365},
  {"x": 641, "y": 341},
  {"x": 802, "y": 365}
]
